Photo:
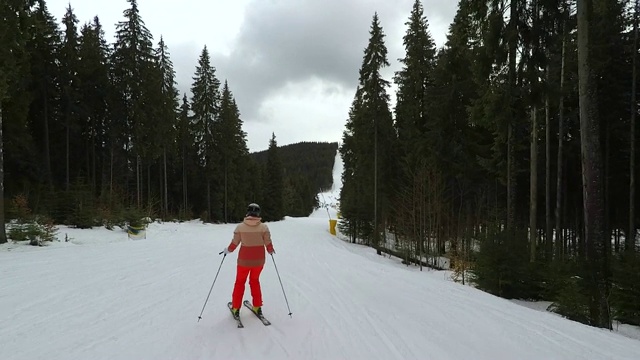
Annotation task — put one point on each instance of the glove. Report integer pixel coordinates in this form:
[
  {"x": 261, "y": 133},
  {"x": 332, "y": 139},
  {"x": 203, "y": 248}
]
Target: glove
[
  {"x": 225, "y": 251},
  {"x": 271, "y": 252}
]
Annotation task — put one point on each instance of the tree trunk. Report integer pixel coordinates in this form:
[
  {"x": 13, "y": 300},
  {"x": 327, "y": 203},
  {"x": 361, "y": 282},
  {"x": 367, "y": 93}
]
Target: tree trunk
[
  {"x": 138, "y": 180},
  {"x": 631, "y": 232},
  {"x": 375, "y": 189},
  {"x": 226, "y": 199},
  {"x": 208, "y": 199},
  {"x": 111, "y": 177},
  {"x": 160, "y": 184},
  {"x": 534, "y": 185},
  {"x": 592, "y": 176},
  {"x": 3, "y": 232},
  {"x": 67, "y": 122},
  {"x": 559, "y": 241},
  {"x": 93, "y": 155},
  {"x": 511, "y": 166},
  {"x": 149, "y": 185},
  {"x": 607, "y": 182},
  {"x": 565, "y": 215},
  {"x": 87, "y": 158},
  {"x": 184, "y": 180},
  {"x": 47, "y": 150},
  {"x": 166, "y": 191},
  {"x": 547, "y": 183}
]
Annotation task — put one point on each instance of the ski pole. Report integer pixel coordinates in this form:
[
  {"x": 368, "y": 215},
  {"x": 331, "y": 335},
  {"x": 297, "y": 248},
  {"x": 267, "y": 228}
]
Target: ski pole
[
  {"x": 214, "y": 282},
  {"x": 285, "y": 295}
]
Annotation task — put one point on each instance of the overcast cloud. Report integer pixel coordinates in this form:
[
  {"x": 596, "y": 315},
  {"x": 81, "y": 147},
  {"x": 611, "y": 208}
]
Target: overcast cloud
[{"x": 292, "y": 64}]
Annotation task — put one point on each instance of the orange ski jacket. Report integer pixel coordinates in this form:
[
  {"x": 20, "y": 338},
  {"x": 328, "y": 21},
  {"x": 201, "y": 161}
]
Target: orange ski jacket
[{"x": 254, "y": 236}]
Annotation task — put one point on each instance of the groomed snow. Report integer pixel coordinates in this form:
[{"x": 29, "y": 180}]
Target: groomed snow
[{"x": 102, "y": 296}]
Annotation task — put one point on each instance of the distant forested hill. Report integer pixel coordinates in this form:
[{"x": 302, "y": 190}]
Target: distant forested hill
[{"x": 313, "y": 160}]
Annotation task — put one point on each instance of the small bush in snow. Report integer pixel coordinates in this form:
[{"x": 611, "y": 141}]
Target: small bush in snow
[
  {"x": 136, "y": 217},
  {"x": 37, "y": 231},
  {"x": 502, "y": 267},
  {"x": 34, "y": 228},
  {"x": 571, "y": 301}
]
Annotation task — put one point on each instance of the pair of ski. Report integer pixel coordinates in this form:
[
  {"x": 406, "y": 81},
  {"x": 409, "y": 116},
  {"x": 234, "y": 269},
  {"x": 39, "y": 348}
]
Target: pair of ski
[{"x": 250, "y": 307}]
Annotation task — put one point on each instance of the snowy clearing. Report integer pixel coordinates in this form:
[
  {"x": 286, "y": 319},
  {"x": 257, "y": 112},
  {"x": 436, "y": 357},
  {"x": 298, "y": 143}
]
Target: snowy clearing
[{"x": 103, "y": 296}]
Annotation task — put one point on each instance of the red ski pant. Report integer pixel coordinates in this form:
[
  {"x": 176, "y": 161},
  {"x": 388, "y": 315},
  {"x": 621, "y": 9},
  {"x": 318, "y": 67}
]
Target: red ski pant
[{"x": 253, "y": 273}]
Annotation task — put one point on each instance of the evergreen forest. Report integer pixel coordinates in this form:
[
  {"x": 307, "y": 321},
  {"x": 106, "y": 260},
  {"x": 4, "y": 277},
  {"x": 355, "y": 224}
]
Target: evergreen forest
[
  {"x": 510, "y": 151},
  {"x": 97, "y": 134}
]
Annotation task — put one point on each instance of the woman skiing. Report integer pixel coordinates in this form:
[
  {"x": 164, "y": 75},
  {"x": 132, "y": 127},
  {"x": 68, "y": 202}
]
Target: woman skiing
[{"x": 254, "y": 237}]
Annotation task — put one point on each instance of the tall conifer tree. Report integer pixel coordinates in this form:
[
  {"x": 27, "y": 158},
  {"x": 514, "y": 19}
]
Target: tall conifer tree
[
  {"x": 70, "y": 91},
  {"x": 233, "y": 150},
  {"x": 43, "y": 46},
  {"x": 373, "y": 140},
  {"x": 205, "y": 105},
  {"x": 167, "y": 113},
  {"x": 415, "y": 81},
  {"x": 273, "y": 207},
  {"x": 13, "y": 68},
  {"x": 185, "y": 143},
  {"x": 133, "y": 63},
  {"x": 93, "y": 75},
  {"x": 598, "y": 280}
]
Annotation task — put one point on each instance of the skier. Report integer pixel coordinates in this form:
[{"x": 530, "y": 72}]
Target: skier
[{"x": 254, "y": 237}]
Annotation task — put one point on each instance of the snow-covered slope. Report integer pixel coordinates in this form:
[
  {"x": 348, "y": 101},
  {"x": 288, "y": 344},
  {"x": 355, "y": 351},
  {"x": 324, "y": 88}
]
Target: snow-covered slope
[
  {"x": 329, "y": 200},
  {"x": 102, "y": 296}
]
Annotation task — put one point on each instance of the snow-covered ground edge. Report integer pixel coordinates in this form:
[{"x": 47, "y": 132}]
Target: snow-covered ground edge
[
  {"x": 329, "y": 200},
  {"x": 68, "y": 236},
  {"x": 629, "y": 331}
]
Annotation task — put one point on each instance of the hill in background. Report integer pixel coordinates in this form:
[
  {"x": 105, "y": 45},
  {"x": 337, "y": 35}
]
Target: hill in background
[
  {"x": 308, "y": 170},
  {"x": 313, "y": 160}
]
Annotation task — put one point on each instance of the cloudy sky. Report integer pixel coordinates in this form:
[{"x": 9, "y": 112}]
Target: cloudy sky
[{"x": 291, "y": 64}]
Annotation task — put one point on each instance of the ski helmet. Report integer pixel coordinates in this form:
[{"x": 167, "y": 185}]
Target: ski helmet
[{"x": 253, "y": 209}]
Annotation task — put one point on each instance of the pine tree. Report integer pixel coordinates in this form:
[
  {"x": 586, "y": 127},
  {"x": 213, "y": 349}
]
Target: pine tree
[
  {"x": 133, "y": 61},
  {"x": 43, "y": 47},
  {"x": 205, "y": 105},
  {"x": 592, "y": 173},
  {"x": 454, "y": 93},
  {"x": 415, "y": 124},
  {"x": 233, "y": 149},
  {"x": 630, "y": 240},
  {"x": 564, "y": 20},
  {"x": 13, "y": 68},
  {"x": 70, "y": 90},
  {"x": 351, "y": 207},
  {"x": 415, "y": 82},
  {"x": 453, "y": 137},
  {"x": 241, "y": 169},
  {"x": 167, "y": 111},
  {"x": 226, "y": 145},
  {"x": 185, "y": 142},
  {"x": 611, "y": 48},
  {"x": 93, "y": 75},
  {"x": 512, "y": 127},
  {"x": 370, "y": 129},
  {"x": 273, "y": 208}
]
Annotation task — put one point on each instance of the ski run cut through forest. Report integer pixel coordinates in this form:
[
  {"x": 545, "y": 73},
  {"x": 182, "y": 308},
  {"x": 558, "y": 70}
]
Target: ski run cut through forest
[{"x": 104, "y": 296}]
